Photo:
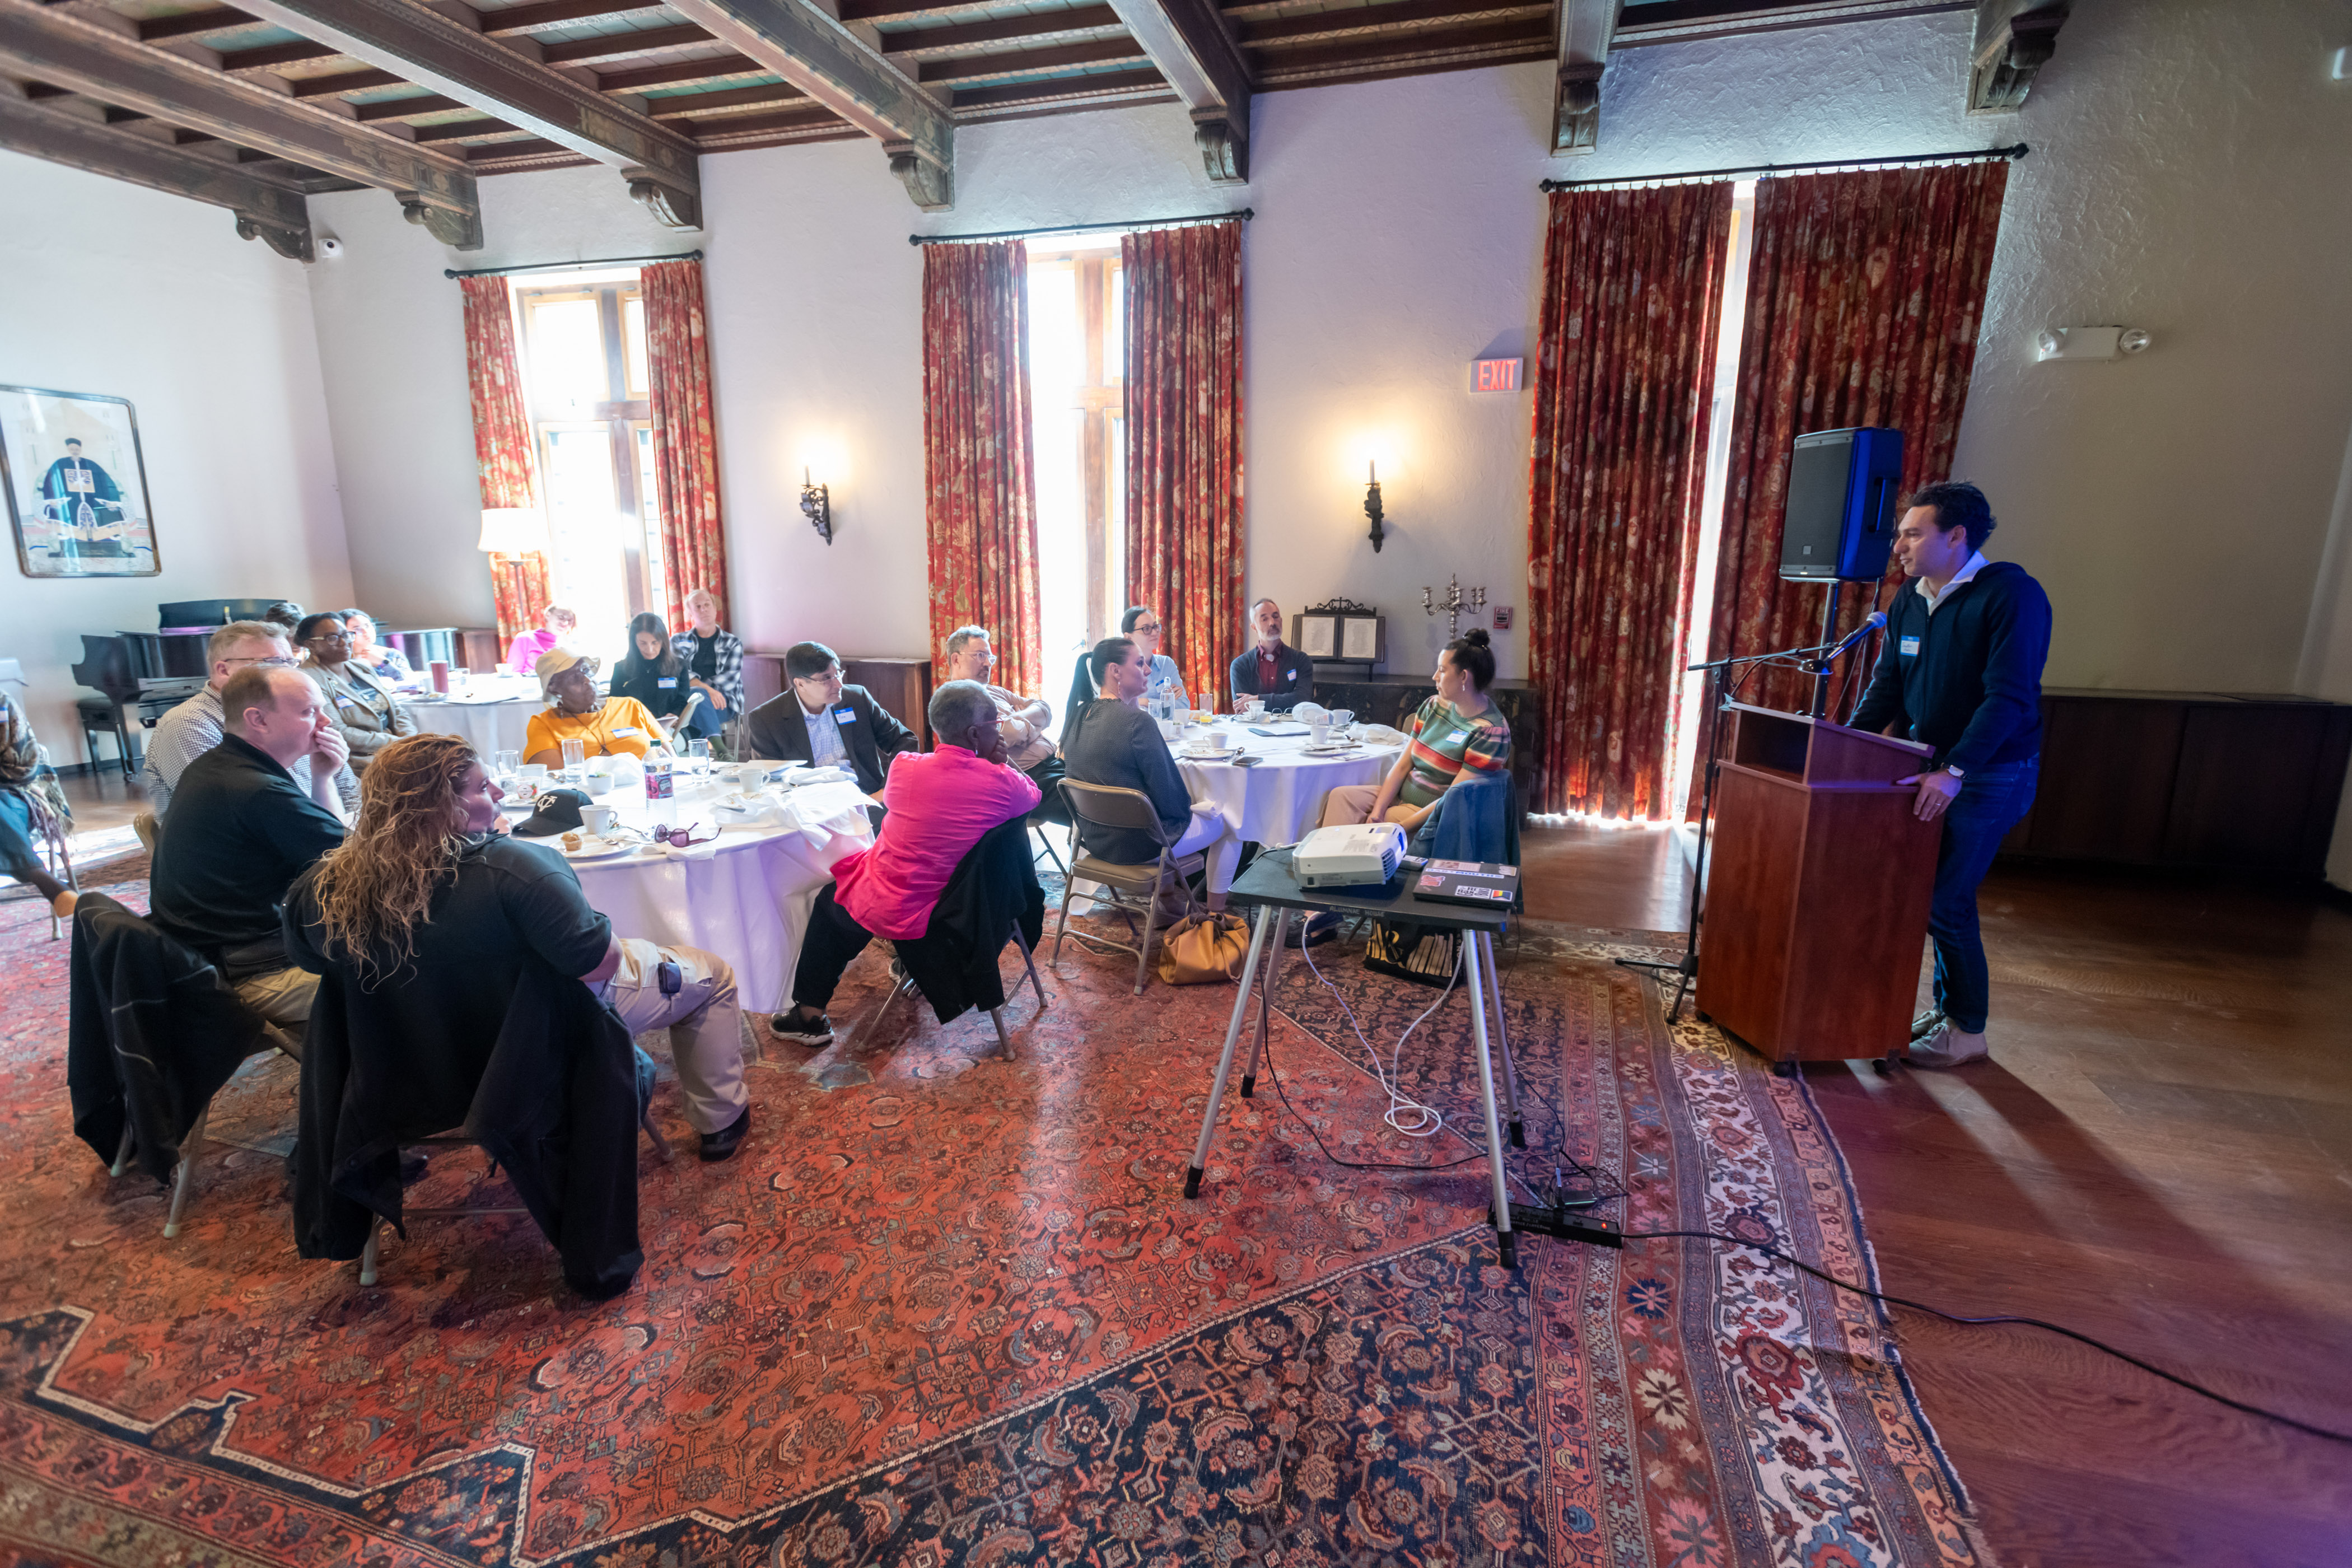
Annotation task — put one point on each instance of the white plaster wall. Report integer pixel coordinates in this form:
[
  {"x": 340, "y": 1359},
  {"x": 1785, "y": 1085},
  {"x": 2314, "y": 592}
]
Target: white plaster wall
[
  {"x": 153, "y": 298},
  {"x": 2186, "y": 178}
]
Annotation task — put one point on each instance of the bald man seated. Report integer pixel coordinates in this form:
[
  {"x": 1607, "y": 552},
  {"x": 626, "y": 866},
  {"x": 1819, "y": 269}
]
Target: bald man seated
[{"x": 241, "y": 830}]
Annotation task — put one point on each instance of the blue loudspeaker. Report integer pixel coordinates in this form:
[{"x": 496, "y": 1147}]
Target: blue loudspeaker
[{"x": 1840, "y": 524}]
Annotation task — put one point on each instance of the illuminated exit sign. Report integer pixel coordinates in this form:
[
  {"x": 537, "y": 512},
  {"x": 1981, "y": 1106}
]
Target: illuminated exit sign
[{"x": 1494, "y": 374}]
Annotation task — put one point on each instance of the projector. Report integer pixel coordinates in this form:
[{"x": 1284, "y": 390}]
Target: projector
[{"x": 1364, "y": 855}]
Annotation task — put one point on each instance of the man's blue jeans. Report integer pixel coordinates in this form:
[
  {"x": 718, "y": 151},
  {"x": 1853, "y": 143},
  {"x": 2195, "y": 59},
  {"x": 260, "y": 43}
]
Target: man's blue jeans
[{"x": 1992, "y": 801}]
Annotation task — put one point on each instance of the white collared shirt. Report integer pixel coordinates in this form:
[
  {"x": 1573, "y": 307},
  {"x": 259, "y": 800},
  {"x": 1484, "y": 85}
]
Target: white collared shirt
[
  {"x": 826, "y": 747},
  {"x": 1935, "y": 598}
]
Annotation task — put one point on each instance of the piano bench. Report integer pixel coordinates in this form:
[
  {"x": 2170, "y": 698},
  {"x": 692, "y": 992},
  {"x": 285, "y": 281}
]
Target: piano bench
[{"x": 104, "y": 714}]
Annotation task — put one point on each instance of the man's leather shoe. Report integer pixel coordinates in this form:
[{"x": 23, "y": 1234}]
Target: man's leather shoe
[{"x": 722, "y": 1144}]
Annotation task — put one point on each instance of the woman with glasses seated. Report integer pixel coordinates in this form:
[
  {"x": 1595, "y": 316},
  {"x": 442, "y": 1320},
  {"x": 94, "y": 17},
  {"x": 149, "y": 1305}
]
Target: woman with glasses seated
[
  {"x": 367, "y": 714},
  {"x": 386, "y": 663}
]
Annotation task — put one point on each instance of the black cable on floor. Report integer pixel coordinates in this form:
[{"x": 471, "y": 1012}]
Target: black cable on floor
[{"x": 2126, "y": 1356}]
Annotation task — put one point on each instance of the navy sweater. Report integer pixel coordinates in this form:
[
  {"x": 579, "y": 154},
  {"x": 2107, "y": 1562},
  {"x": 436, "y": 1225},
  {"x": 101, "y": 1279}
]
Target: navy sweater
[{"x": 1967, "y": 679}]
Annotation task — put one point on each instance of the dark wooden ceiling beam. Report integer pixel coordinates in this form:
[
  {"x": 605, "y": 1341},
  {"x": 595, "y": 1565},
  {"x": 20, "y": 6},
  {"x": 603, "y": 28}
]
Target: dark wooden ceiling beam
[
  {"x": 402, "y": 107},
  {"x": 1260, "y": 32},
  {"x": 193, "y": 24},
  {"x": 1523, "y": 38},
  {"x": 1029, "y": 62},
  {"x": 1584, "y": 30},
  {"x": 554, "y": 13},
  {"x": 685, "y": 105},
  {"x": 916, "y": 42},
  {"x": 336, "y": 82},
  {"x": 266, "y": 209},
  {"x": 669, "y": 73},
  {"x": 808, "y": 116},
  {"x": 619, "y": 45},
  {"x": 47, "y": 43},
  {"x": 459, "y": 130},
  {"x": 896, "y": 10},
  {"x": 1065, "y": 89},
  {"x": 269, "y": 56},
  {"x": 1193, "y": 44},
  {"x": 817, "y": 53},
  {"x": 438, "y": 51}
]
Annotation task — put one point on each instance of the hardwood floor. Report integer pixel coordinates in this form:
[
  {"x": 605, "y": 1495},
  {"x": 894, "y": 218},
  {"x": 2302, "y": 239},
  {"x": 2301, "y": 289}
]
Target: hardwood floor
[{"x": 2159, "y": 1154}]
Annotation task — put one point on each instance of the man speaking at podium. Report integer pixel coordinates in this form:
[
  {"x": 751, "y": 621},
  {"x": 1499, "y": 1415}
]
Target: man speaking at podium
[{"x": 1961, "y": 672}]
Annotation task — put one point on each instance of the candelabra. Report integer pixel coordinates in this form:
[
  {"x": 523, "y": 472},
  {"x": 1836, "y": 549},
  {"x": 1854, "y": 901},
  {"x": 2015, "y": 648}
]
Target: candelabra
[
  {"x": 1454, "y": 604},
  {"x": 816, "y": 505}
]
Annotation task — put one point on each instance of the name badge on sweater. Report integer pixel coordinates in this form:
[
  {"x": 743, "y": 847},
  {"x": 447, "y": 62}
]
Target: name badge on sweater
[
  {"x": 627, "y": 731},
  {"x": 1908, "y": 647},
  {"x": 666, "y": 682},
  {"x": 844, "y": 716}
]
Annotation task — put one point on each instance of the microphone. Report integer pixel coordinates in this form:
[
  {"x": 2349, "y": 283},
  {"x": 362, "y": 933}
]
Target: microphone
[{"x": 1877, "y": 619}]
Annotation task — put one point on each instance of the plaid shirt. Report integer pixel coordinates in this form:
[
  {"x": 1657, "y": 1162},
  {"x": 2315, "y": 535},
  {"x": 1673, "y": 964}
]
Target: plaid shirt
[{"x": 730, "y": 659}]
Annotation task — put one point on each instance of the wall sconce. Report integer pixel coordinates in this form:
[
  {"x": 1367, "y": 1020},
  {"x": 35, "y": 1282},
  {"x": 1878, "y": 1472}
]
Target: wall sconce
[
  {"x": 816, "y": 505},
  {"x": 1372, "y": 502}
]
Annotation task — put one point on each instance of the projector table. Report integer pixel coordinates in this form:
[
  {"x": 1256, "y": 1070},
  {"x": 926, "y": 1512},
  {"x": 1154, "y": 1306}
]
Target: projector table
[{"x": 1271, "y": 884}]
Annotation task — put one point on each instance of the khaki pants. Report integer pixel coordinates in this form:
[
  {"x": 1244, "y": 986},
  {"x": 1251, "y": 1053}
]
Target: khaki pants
[
  {"x": 1350, "y": 804},
  {"x": 706, "y": 1028},
  {"x": 283, "y": 997}
]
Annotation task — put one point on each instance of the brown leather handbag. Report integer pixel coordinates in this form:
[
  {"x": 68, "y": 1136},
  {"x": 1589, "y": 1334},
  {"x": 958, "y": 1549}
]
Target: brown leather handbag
[{"x": 1205, "y": 950}]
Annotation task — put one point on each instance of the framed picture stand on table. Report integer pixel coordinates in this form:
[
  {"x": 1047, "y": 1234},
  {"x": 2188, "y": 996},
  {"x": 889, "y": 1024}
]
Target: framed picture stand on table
[{"x": 1341, "y": 631}]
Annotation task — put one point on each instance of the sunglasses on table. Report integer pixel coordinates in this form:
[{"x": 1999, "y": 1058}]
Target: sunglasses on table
[{"x": 679, "y": 837}]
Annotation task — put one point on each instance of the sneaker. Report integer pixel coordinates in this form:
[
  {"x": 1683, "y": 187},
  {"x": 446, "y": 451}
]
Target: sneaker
[
  {"x": 1947, "y": 1048},
  {"x": 722, "y": 1144},
  {"x": 803, "y": 1027},
  {"x": 1925, "y": 1024}
]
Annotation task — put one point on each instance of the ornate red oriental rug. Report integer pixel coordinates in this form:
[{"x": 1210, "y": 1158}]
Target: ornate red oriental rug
[{"x": 948, "y": 1310}]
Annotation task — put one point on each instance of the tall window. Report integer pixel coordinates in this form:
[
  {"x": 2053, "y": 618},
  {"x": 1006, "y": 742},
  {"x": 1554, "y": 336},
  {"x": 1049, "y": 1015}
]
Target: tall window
[
  {"x": 1690, "y": 737},
  {"x": 1077, "y": 401},
  {"x": 584, "y": 376}
]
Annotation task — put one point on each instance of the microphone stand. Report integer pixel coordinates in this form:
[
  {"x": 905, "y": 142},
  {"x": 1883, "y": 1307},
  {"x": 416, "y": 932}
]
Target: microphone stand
[{"x": 1686, "y": 968}]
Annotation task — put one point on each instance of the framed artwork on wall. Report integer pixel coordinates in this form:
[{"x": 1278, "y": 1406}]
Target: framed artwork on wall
[{"x": 76, "y": 484}]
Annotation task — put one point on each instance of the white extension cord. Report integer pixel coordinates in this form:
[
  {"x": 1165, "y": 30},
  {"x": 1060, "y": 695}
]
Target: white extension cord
[{"x": 1427, "y": 1121}]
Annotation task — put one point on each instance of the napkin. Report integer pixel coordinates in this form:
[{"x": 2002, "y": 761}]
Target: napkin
[
  {"x": 1381, "y": 735},
  {"x": 1307, "y": 712}
]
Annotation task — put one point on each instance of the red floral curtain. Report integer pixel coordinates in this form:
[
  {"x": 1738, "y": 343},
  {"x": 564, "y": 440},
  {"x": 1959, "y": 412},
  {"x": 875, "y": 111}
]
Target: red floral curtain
[
  {"x": 686, "y": 444},
  {"x": 1625, "y": 374},
  {"x": 979, "y": 478},
  {"x": 1186, "y": 535},
  {"x": 1863, "y": 299},
  {"x": 502, "y": 446}
]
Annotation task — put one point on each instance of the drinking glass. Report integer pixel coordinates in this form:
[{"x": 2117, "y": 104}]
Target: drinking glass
[
  {"x": 698, "y": 755},
  {"x": 502, "y": 764},
  {"x": 573, "y": 751}
]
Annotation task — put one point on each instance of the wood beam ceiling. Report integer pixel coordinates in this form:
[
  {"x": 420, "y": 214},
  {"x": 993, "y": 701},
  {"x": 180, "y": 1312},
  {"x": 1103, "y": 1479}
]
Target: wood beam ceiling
[
  {"x": 435, "y": 51},
  {"x": 1193, "y": 44},
  {"x": 816, "y": 53},
  {"x": 48, "y": 44},
  {"x": 266, "y": 209}
]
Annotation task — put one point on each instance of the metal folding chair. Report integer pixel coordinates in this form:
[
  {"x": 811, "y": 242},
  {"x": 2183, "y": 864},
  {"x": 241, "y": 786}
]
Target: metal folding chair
[{"x": 1114, "y": 806}]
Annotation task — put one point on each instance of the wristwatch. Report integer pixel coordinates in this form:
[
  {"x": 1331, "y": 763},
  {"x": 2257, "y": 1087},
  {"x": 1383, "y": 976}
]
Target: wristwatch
[{"x": 1956, "y": 773}]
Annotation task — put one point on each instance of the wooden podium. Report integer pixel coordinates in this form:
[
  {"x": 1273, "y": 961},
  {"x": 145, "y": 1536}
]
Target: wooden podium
[{"x": 1818, "y": 883}]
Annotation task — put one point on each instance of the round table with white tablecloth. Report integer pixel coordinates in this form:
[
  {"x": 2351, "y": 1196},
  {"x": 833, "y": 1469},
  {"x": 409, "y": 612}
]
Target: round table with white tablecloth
[
  {"x": 745, "y": 894},
  {"x": 491, "y": 714},
  {"x": 1278, "y": 799}
]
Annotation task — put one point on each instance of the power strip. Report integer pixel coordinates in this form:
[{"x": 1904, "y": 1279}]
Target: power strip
[{"x": 1563, "y": 1226}]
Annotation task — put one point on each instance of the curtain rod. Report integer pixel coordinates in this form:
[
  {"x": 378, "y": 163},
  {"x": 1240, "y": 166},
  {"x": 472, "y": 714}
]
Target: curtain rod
[
  {"x": 1969, "y": 155},
  {"x": 567, "y": 266},
  {"x": 1245, "y": 215}
]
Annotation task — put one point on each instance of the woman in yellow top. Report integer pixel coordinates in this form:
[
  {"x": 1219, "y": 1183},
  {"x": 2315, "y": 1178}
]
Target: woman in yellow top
[{"x": 604, "y": 726}]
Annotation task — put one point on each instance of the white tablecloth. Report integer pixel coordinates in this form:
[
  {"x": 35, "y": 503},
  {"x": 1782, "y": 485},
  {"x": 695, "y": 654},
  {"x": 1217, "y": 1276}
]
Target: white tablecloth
[
  {"x": 1280, "y": 800},
  {"x": 746, "y": 897},
  {"x": 488, "y": 726}
]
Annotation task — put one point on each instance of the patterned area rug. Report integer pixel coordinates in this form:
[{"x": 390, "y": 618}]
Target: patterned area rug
[{"x": 947, "y": 1308}]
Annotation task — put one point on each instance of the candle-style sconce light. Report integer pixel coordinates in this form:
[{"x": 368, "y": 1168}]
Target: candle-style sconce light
[
  {"x": 1372, "y": 502},
  {"x": 816, "y": 505}
]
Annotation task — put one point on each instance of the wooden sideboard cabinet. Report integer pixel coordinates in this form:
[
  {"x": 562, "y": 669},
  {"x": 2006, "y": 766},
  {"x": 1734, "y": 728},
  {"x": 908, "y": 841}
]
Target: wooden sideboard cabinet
[{"x": 2190, "y": 779}]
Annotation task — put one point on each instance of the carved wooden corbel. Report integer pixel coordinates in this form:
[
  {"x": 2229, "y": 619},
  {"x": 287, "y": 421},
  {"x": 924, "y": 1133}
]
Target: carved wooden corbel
[
  {"x": 459, "y": 231},
  {"x": 2014, "y": 39},
  {"x": 931, "y": 186},
  {"x": 293, "y": 244},
  {"x": 1576, "y": 110},
  {"x": 672, "y": 205},
  {"x": 1225, "y": 146}
]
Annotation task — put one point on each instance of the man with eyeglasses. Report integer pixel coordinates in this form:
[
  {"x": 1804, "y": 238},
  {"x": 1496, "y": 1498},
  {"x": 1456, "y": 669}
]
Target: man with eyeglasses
[
  {"x": 821, "y": 722},
  {"x": 1021, "y": 721},
  {"x": 197, "y": 726}
]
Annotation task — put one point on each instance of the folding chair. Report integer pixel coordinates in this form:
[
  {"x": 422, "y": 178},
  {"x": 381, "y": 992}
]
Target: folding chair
[
  {"x": 991, "y": 856},
  {"x": 1114, "y": 806}
]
